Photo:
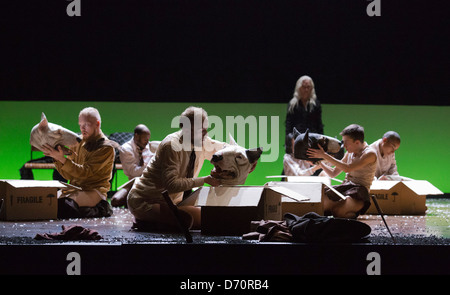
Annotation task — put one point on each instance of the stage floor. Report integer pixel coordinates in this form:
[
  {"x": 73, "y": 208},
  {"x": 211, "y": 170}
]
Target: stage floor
[{"x": 418, "y": 238}]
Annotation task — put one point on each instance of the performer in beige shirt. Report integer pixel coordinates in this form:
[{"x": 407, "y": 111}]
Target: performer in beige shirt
[
  {"x": 385, "y": 148},
  {"x": 169, "y": 170},
  {"x": 359, "y": 164},
  {"x": 89, "y": 167}
]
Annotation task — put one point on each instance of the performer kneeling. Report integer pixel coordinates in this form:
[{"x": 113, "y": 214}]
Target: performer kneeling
[
  {"x": 175, "y": 168},
  {"x": 89, "y": 168},
  {"x": 359, "y": 164}
]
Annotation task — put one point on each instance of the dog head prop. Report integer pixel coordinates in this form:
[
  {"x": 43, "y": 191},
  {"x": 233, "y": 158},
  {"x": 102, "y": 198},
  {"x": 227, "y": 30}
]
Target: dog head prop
[
  {"x": 304, "y": 141},
  {"x": 52, "y": 134},
  {"x": 233, "y": 163}
]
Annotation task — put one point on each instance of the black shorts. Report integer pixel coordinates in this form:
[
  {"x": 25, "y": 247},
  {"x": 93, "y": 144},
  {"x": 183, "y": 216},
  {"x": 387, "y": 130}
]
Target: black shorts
[{"x": 355, "y": 191}]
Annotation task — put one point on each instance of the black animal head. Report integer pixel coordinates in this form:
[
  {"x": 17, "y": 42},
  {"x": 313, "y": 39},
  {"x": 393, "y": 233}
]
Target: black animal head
[{"x": 304, "y": 141}]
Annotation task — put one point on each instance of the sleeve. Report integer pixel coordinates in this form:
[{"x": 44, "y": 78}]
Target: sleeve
[
  {"x": 289, "y": 122},
  {"x": 318, "y": 118},
  {"x": 95, "y": 163},
  {"x": 130, "y": 168},
  {"x": 173, "y": 176},
  {"x": 393, "y": 168}
]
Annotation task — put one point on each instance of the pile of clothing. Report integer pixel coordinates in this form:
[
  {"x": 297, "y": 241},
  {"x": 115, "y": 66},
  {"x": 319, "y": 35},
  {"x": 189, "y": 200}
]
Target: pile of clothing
[{"x": 309, "y": 228}]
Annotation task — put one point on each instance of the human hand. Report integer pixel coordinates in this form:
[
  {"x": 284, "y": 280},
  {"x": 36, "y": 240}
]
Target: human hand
[
  {"x": 212, "y": 181},
  {"x": 316, "y": 153},
  {"x": 58, "y": 154}
]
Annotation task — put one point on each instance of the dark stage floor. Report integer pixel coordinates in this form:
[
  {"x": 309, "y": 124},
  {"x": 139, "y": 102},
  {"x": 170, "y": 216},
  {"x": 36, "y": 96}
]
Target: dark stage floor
[{"x": 422, "y": 247}]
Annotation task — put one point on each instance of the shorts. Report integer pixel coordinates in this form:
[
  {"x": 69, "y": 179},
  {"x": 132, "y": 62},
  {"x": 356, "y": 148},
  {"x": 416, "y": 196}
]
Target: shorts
[{"x": 355, "y": 191}]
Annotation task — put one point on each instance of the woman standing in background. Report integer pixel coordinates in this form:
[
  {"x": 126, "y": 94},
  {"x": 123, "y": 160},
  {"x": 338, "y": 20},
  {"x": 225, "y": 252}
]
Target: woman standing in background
[{"x": 304, "y": 109}]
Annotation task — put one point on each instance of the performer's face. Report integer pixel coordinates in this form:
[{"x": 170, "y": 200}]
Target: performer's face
[
  {"x": 388, "y": 148},
  {"x": 350, "y": 144},
  {"x": 89, "y": 126},
  {"x": 306, "y": 89}
]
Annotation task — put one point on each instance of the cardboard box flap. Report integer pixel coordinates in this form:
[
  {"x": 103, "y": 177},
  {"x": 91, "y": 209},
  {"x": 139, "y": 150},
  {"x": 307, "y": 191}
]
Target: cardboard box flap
[
  {"x": 422, "y": 187},
  {"x": 229, "y": 196},
  {"x": 322, "y": 179},
  {"x": 383, "y": 185},
  {"x": 34, "y": 183},
  {"x": 288, "y": 193}
]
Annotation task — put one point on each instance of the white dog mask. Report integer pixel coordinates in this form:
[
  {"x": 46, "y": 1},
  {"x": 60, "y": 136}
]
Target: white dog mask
[
  {"x": 233, "y": 163},
  {"x": 52, "y": 134}
]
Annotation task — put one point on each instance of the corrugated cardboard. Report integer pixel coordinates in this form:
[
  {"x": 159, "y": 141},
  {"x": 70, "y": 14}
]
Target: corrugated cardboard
[
  {"x": 312, "y": 192},
  {"x": 29, "y": 199},
  {"x": 401, "y": 197},
  {"x": 229, "y": 210}
]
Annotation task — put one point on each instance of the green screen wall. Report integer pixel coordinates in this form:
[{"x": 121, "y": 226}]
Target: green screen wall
[{"x": 424, "y": 130}]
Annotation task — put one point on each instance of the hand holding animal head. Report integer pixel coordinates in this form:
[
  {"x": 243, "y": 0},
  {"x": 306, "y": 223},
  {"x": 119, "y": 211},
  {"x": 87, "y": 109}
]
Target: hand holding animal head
[
  {"x": 304, "y": 141},
  {"x": 233, "y": 163},
  {"x": 52, "y": 134}
]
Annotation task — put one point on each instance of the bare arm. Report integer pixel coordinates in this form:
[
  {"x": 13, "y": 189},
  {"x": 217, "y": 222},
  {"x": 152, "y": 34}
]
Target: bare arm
[{"x": 366, "y": 159}]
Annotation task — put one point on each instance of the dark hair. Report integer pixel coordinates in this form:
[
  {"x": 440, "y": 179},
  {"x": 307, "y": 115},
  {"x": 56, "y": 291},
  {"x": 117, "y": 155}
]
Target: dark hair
[
  {"x": 392, "y": 137},
  {"x": 288, "y": 143},
  {"x": 354, "y": 131},
  {"x": 141, "y": 128}
]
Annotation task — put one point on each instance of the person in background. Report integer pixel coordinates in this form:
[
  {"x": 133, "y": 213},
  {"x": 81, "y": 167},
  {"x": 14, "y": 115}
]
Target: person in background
[
  {"x": 385, "y": 148},
  {"x": 293, "y": 166},
  {"x": 304, "y": 109},
  {"x": 134, "y": 157}
]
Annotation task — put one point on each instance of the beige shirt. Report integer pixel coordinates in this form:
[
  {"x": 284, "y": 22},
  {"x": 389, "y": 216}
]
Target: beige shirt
[
  {"x": 168, "y": 168},
  {"x": 386, "y": 165},
  {"x": 89, "y": 169},
  {"x": 363, "y": 176}
]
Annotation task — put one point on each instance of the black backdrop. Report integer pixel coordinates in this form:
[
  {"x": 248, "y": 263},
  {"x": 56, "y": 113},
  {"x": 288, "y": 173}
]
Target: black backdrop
[{"x": 225, "y": 50}]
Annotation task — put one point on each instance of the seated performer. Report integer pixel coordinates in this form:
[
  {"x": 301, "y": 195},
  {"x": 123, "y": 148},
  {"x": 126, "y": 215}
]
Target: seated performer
[
  {"x": 89, "y": 168},
  {"x": 134, "y": 156},
  {"x": 293, "y": 166},
  {"x": 359, "y": 164},
  {"x": 175, "y": 168},
  {"x": 385, "y": 148}
]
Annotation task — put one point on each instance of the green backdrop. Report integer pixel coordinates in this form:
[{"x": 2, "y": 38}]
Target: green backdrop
[{"x": 424, "y": 130}]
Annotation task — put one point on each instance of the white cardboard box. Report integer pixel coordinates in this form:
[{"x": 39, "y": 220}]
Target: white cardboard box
[
  {"x": 401, "y": 197},
  {"x": 311, "y": 191},
  {"x": 29, "y": 199},
  {"x": 229, "y": 210}
]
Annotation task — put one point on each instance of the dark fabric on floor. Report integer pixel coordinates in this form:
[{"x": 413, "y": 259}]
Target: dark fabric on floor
[{"x": 71, "y": 233}]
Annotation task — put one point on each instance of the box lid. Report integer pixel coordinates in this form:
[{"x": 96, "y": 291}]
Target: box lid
[
  {"x": 33, "y": 183},
  {"x": 230, "y": 196},
  {"x": 420, "y": 187},
  {"x": 322, "y": 179}
]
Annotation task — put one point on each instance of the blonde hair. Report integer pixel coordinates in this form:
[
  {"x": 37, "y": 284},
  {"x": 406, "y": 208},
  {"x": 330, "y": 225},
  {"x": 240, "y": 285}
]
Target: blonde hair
[
  {"x": 91, "y": 112},
  {"x": 311, "y": 100}
]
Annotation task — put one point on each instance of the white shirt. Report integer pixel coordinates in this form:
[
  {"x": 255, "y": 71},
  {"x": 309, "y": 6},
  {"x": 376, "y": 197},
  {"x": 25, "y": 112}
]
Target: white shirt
[
  {"x": 129, "y": 157},
  {"x": 386, "y": 165},
  {"x": 296, "y": 167}
]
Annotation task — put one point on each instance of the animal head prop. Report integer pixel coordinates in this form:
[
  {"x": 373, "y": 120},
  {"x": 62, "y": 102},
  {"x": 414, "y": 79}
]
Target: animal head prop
[
  {"x": 304, "y": 141},
  {"x": 233, "y": 163},
  {"x": 52, "y": 134}
]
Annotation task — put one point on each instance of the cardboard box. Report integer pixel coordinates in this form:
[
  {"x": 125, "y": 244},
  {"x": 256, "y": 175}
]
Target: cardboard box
[
  {"x": 29, "y": 199},
  {"x": 311, "y": 191},
  {"x": 322, "y": 179},
  {"x": 229, "y": 210},
  {"x": 401, "y": 197}
]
